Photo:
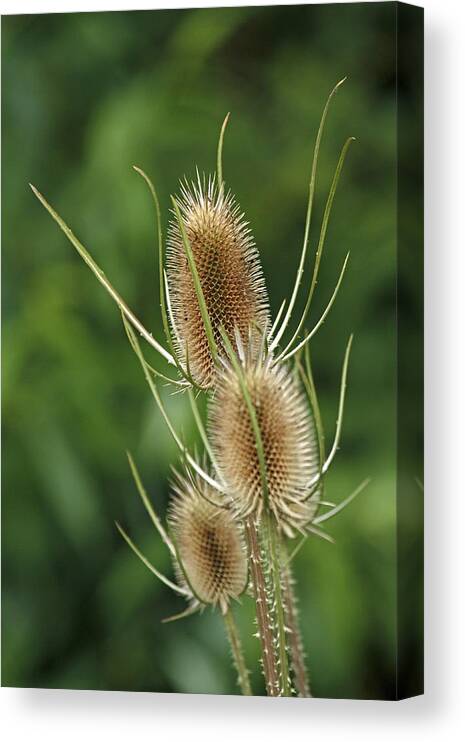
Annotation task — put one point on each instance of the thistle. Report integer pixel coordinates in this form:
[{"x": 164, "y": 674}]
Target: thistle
[
  {"x": 210, "y": 545},
  {"x": 208, "y": 552},
  {"x": 231, "y": 519},
  {"x": 229, "y": 272},
  {"x": 291, "y": 456}
]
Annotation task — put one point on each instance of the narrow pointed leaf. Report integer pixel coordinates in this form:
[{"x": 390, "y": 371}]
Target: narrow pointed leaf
[
  {"x": 219, "y": 157},
  {"x": 149, "y": 564},
  {"x": 285, "y": 356},
  {"x": 100, "y": 275},
  {"x": 321, "y": 241},
  {"x": 343, "y": 504},
  {"x": 148, "y": 505},
  {"x": 311, "y": 193}
]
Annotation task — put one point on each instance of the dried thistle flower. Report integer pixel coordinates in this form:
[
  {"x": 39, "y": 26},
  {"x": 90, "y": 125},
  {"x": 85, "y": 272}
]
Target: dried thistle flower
[
  {"x": 208, "y": 553},
  {"x": 229, "y": 271},
  {"x": 290, "y": 445},
  {"x": 210, "y": 547}
]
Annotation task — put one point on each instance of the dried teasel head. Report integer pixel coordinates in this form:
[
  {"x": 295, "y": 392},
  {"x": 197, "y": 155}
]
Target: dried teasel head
[
  {"x": 211, "y": 553},
  {"x": 288, "y": 438},
  {"x": 230, "y": 275}
]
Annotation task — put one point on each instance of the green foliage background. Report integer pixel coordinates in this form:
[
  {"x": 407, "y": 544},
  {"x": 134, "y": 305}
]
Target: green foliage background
[{"x": 86, "y": 96}]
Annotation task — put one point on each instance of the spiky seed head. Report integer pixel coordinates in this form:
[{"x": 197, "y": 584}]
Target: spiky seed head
[
  {"x": 210, "y": 544},
  {"x": 230, "y": 274},
  {"x": 289, "y": 440}
]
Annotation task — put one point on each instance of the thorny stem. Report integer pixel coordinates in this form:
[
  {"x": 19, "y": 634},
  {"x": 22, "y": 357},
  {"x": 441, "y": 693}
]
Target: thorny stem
[
  {"x": 272, "y": 538},
  {"x": 237, "y": 653},
  {"x": 296, "y": 646},
  {"x": 264, "y": 618}
]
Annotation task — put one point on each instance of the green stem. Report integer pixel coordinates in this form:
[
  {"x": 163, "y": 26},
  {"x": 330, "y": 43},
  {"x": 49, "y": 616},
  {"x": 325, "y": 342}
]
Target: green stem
[{"x": 238, "y": 655}]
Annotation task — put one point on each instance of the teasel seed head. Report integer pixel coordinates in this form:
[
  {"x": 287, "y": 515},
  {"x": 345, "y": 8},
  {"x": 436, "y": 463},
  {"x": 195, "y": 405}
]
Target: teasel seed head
[
  {"x": 230, "y": 275},
  {"x": 289, "y": 441},
  {"x": 210, "y": 545}
]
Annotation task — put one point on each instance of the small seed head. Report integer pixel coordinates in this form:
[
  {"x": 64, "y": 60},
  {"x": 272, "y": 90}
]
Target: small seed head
[
  {"x": 209, "y": 542},
  {"x": 288, "y": 437},
  {"x": 230, "y": 274}
]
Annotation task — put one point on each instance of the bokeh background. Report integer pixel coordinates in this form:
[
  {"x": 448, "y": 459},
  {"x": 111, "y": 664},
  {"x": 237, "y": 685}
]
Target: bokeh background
[{"x": 86, "y": 96}]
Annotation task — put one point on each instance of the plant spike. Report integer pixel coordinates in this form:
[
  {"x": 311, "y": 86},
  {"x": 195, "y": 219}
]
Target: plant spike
[
  {"x": 219, "y": 157},
  {"x": 156, "y": 203},
  {"x": 284, "y": 356},
  {"x": 161, "y": 407},
  {"x": 321, "y": 241},
  {"x": 148, "y": 505},
  {"x": 100, "y": 275},
  {"x": 277, "y": 318},
  {"x": 320, "y": 534},
  {"x": 343, "y": 504},
  {"x": 191, "y": 478},
  {"x": 149, "y": 565},
  {"x": 340, "y": 412},
  {"x": 184, "y": 614},
  {"x": 309, "y": 384},
  {"x": 155, "y": 372},
  {"x": 201, "y": 428},
  {"x": 295, "y": 550},
  {"x": 337, "y": 436},
  {"x": 314, "y": 403},
  {"x": 311, "y": 192}
]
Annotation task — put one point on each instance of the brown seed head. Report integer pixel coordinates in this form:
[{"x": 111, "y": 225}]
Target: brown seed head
[
  {"x": 230, "y": 274},
  {"x": 288, "y": 437},
  {"x": 209, "y": 542}
]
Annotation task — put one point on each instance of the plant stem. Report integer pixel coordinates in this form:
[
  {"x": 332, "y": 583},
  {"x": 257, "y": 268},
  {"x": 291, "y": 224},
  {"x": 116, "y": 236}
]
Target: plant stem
[
  {"x": 263, "y": 610},
  {"x": 272, "y": 538},
  {"x": 238, "y": 655},
  {"x": 296, "y": 646}
]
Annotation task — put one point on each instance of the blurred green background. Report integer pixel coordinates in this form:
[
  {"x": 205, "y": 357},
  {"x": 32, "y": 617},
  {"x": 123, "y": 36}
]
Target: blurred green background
[{"x": 86, "y": 96}]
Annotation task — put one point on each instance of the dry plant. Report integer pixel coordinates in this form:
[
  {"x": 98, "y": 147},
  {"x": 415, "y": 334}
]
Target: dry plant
[{"x": 240, "y": 513}]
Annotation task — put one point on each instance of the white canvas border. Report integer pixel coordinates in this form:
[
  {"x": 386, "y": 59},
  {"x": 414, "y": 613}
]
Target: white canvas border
[{"x": 78, "y": 715}]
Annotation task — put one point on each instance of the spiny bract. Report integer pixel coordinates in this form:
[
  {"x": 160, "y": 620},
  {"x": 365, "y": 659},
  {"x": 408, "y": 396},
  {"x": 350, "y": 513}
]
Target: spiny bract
[
  {"x": 230, "y": 275},
  {"x": 209, "y": 542},
  {"x": 289, "y": 440}
]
